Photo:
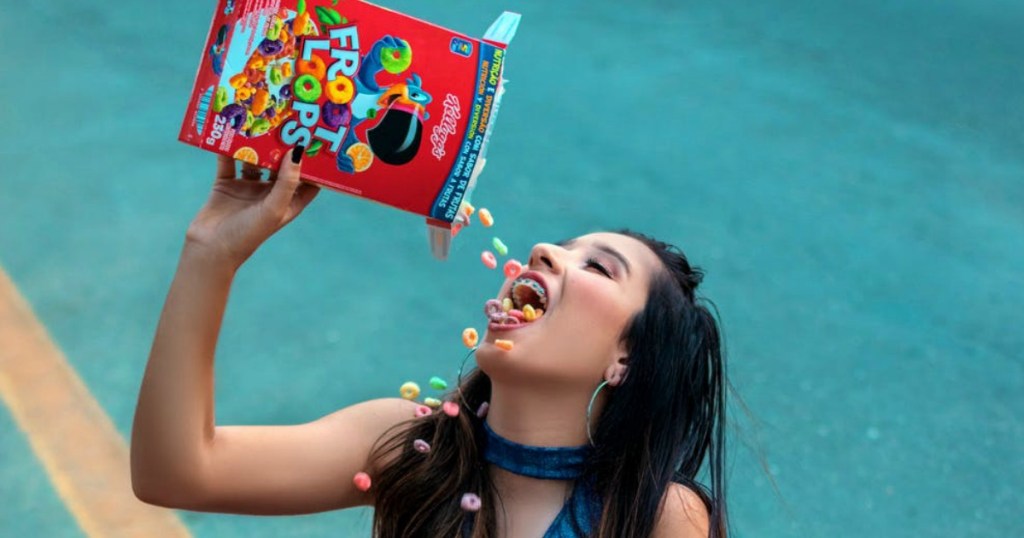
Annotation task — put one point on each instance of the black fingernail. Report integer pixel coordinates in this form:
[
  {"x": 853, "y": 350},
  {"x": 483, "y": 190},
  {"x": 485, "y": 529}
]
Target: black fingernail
[{"x": 297, "y": 154}]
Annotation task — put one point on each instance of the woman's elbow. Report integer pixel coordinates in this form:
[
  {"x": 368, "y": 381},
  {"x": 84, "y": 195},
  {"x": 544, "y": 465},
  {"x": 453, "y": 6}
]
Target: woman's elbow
[{"x": 160, "y": 488}]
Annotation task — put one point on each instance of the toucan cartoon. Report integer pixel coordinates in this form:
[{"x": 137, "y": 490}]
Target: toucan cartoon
[
  {"x": 217, "y": 50},
  {"x": 398, "y": 110}
]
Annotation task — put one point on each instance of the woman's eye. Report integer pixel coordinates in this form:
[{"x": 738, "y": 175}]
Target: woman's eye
[{"x": 597, "y": 265}]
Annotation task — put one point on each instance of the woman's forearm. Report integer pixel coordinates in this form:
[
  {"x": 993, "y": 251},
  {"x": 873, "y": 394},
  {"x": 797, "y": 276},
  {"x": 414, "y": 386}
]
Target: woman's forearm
[{"x": 174, "y": 418}]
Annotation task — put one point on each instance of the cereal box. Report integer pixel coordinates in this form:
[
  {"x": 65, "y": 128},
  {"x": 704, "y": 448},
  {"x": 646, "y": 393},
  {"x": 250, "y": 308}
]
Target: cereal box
[{"x": 389, "y": 107}]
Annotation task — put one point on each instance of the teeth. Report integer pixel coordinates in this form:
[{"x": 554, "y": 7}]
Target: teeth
[{"x": 528, "y": 283}]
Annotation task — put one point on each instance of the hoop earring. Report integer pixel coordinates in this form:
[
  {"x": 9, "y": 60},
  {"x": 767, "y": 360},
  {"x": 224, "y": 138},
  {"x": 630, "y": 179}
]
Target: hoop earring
[
  {"x": 458, "y": 383},
  {"x": 590, "y": 407}
]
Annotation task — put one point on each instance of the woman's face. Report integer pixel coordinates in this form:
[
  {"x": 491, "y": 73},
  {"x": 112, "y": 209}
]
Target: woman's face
[{"x": 589, "y": 288}]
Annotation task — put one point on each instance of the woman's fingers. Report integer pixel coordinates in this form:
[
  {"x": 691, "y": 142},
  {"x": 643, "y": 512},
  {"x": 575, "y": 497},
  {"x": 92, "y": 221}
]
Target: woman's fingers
[
  {"x": 280, "y": 198},
  {"x": 303, "y": 196},
  {"x": 251, "y": 172},
  {"x": 225, "y": 167}
]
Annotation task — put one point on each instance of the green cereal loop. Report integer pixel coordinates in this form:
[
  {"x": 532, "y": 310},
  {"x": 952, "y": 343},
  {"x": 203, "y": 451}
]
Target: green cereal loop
[
  {"x": 259, "y": 126},
  {"x": 301, "y": 6},
  {"x": 499, "y": 246},
  {"x": 311, "y": 94},
  {"x": 274, "y": 31},
  {"x": 275, "y": 76},
  {"x": 220, "y": 99},
  {"x": 437, "y": 383}
]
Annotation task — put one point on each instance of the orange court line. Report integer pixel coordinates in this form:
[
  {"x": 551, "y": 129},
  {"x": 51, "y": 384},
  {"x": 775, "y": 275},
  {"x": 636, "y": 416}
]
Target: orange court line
[{"x": 78, "y": 445}]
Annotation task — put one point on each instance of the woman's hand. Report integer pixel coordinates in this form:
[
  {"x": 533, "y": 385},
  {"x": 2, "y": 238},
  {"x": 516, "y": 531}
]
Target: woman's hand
[{"x": 242, "y": 213}]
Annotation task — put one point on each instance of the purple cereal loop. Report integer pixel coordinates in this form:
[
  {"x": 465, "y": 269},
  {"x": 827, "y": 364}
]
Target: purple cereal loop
[
  {"x": 335, "y": 115},
  {"x": 234, "y": 114},
  {"x": 286, "y": 91},
  {"x": 492, "y": 306},
  {"x": 270, "y": 47},
  {"x": 481, "y": 411},
  {"x": 421, "y": 446}
]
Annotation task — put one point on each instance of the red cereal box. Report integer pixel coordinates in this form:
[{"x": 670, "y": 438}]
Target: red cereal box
[{"x": 388, "y": 107}]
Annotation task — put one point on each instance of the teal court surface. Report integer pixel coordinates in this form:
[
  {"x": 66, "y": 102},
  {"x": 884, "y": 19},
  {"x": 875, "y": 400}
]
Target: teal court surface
[{"x": 849, "y": 174}]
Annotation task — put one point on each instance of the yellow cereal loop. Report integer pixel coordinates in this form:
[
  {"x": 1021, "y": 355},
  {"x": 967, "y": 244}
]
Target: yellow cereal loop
[
  {"x": 432, "y": 402},
  {"x": 409, "y": 390},
  {"x": 529, "y": 314}
]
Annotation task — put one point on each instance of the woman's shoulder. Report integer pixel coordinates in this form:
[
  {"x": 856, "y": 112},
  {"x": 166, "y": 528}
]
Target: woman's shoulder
[{"x": 683, "y": 514}]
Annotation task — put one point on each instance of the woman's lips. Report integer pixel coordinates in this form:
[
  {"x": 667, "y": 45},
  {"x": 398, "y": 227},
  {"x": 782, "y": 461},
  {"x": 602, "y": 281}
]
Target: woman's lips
[{"x": 505, "y": 327}]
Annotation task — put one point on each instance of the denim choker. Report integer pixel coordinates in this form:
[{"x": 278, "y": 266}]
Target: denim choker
[{"x": 556, "y": 463}]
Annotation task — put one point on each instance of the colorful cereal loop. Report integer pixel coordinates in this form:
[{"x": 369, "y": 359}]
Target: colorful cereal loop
[
  {"x": 362, "y": 481},
  {"x": 487, "y": 257},
  {"x": 485, "y": 217},
  {"x": 409, "y": 390},
  {"x": 470, "y": 337},
  {"x": 499, "y": 246},
  {"x": 513, "y": 269}
]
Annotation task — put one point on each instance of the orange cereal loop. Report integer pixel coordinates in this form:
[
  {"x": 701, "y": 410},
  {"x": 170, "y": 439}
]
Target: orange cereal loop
[
  {"x": 299, "y": 25},
  {"x": 470, "y": 337},
  {"x": 340, "y": 90},
  {"x": 286, "y": 69},
  {"x": 243, "y": 93},
  {"x": 485, "y": 217},
  {"x": 238, "y": 80},
  {"x": 504, "y": 344},
  {"x": 256, "y": 62},
  {"x": 314, "y": 66},
  {"x": 260, "y": 102}
]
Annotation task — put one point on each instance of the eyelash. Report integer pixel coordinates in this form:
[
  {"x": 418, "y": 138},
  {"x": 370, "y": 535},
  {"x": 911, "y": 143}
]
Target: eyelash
[{"x": 591, "y": 262}]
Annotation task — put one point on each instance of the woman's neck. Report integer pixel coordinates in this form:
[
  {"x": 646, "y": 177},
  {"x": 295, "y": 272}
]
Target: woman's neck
[{"x": 540, "y": 416}]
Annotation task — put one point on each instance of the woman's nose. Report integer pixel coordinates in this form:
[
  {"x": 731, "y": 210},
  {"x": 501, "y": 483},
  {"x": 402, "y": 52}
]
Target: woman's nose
[{"x": 548, "y": 256}]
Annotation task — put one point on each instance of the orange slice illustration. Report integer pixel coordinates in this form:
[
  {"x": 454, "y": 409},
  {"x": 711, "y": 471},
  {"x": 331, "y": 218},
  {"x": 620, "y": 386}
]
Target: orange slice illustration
[
  {"x": 247, "y": 154},
  {"x": 361, "y": 156}
]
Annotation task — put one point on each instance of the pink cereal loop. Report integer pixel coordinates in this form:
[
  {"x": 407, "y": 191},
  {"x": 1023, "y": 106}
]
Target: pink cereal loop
[
  {"x": 512, "y": 269},
  {"x": 470, "y": 502},
  {"x": 421, "y": 446},
  {"x": 423, "y": 411},
  {"x": 450, "y": 408},
  {"x": 362, "y": 481},
  {"x": 487, "y": 257}
]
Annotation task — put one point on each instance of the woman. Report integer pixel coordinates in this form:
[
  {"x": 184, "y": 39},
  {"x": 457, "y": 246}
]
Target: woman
[{"x": 594, "y": 424}]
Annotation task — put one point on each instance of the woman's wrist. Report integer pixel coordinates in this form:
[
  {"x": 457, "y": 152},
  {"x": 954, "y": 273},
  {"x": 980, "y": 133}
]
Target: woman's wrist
[{"x": 211, "y": 259}]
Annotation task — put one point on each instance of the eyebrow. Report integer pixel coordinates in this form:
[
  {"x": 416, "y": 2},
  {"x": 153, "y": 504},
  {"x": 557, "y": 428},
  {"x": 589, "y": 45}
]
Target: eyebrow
[{"x": 603, "y": 248}]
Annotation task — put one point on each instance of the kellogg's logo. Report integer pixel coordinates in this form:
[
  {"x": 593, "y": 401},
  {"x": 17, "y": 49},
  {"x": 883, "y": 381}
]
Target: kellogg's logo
[{"x": 447, "y": 126}]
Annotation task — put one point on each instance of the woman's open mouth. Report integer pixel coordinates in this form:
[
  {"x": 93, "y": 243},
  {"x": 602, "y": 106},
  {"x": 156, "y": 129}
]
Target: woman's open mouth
[{"x": 525, "y": 303}]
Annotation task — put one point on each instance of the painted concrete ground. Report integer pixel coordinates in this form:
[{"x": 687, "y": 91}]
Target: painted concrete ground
[{"x": 850, "y": 175}]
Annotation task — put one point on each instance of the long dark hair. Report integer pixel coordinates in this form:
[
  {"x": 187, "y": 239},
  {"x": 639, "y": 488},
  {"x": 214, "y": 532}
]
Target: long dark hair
[{"x": 675, "y": 380}]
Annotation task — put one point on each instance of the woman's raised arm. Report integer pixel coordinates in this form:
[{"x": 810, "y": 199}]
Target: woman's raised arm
[{"x": 179, "y": 457}]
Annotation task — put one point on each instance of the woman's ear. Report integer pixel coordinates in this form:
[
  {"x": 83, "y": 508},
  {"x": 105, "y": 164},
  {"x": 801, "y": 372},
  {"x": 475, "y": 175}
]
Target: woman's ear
[{"x": 616, "y": 371}]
